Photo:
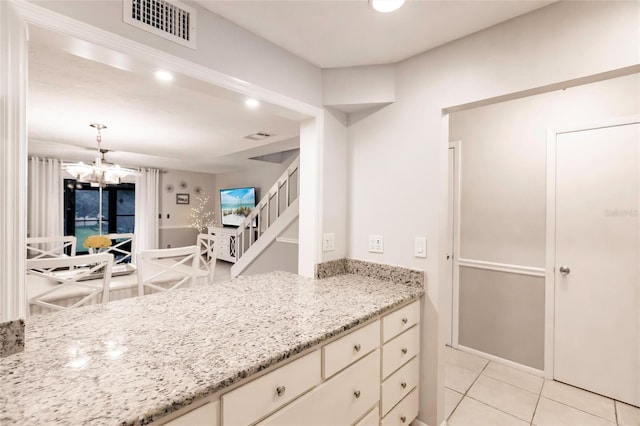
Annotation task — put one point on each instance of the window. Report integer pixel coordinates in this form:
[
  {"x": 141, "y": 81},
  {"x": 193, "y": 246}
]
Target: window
[{"x": 81, "y": 210}]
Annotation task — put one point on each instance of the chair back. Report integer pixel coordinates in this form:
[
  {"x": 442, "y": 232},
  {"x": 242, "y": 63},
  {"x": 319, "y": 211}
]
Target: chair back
[
  {"x": 167, "y": 269},
  {"x": 48, "y": 247},
  {"x": 122, "y": 247},
  {"x": 72, "y": 277},
  {"x": 206, "y": 245}
]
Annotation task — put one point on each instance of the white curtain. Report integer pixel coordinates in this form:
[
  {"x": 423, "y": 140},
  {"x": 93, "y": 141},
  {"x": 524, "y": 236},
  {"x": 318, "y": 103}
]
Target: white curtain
[
  {"x": 45, "y": 205},
  {"x": 147, "y": 195}
]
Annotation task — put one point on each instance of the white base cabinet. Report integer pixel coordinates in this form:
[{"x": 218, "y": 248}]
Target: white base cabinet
[
  {"x": 225, "y": 243},
  {"x": 366, "y": 377}
]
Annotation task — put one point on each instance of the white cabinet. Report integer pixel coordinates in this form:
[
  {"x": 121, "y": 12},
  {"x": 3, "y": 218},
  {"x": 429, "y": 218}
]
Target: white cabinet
[
  {"x": 225, "y": 243},
  {"x": 368, "y": 376},
  {"x": 339, "y": 401},
  {"x": 256, "y": 399},
  {"x": 400, "y": 365},
  {"x": 350, "y": 348}
]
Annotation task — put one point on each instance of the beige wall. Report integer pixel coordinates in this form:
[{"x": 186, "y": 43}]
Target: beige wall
[
  {"x": 503, "y": 202},
  {"x": 504, "y": 165},
  {"x": 503, "y": 314}
]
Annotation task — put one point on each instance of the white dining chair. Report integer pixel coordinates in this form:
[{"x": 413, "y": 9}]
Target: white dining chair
[
  {"x": 167, "y": 269},
  {"x": 79, "y": 279},
  {"x": 48, "y": 247},
  {"x": 206, "y": 245}
]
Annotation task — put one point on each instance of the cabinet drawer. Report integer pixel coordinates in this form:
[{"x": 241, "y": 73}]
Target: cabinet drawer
[
  {"x": 341, "y": 400},
  {"x": 399, "y": 384},
  {"x": 403, "y": 413},
  {"x": 206, "y": 415},
  {"x": 400, "y": 320},
  {"x": 400, "y": 350},
  {"x": 371, "y": 419},
  {"x": 258, "y": 398},
  {"x": 350, "y": 348}
]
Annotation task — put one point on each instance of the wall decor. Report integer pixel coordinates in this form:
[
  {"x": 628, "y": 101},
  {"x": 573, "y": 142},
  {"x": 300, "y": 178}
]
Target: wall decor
[
  {"x": 183, "y": 185},
  {"x": 197, "y": 190},
  {"x": 182, "y": 198},
  {"x": 169, "y": 188}
]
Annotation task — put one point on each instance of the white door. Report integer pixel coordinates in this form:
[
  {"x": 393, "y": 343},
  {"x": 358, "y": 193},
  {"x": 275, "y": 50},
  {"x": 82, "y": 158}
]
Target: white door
[{"x": 597, "y": 261}]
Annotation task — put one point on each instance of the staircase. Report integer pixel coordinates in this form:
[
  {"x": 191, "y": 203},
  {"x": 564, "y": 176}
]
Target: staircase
[{"x": 269, "y": 219}]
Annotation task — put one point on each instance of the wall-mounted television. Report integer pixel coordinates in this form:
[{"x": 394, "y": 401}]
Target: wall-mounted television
[{"x": 236, "y": 204}]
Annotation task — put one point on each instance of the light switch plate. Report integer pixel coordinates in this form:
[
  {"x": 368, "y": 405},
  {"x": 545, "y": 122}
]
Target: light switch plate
[
  {"x": 420, "y": 247},
  {"x": 376, "y": 244},
  {"x": 328, "y": 242}
]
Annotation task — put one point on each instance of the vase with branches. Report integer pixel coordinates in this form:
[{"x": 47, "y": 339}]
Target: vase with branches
[{"x": 201, "y": 216}]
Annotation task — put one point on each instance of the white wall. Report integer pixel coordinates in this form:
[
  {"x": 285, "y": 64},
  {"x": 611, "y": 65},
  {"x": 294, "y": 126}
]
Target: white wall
[
  {"x": 334, "y": 182},
  {"x": 221, "y": 46},
  {"x": 398, "y": 156}
]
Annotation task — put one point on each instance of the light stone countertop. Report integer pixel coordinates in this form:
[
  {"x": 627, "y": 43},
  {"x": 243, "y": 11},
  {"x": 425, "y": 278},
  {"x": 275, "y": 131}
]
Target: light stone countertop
[{"x": 135, "y": 360}]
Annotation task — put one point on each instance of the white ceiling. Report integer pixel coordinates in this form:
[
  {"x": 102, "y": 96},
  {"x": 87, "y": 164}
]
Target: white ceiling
[
  {"x": 185, "y": 124},
  {"x": 343, "y": 33},
  {"x": 190, "y": 125}
]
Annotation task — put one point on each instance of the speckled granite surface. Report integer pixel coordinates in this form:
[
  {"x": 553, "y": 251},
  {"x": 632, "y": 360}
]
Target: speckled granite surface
[
  {"x": 369, "y": 269},
  {"x": 132, "y": 361},
  {"x": 11, "y": 337},
  {"x": 332, "y": 268}
]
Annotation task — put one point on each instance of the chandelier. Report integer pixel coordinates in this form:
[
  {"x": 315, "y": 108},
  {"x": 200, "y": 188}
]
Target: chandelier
[{"x": 101, "y": 173}]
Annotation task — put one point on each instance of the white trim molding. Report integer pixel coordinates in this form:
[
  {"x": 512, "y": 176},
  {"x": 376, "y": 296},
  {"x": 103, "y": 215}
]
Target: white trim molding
[
  {"x": 503, "y": 267},
  {"x": 508, "y": 363}
]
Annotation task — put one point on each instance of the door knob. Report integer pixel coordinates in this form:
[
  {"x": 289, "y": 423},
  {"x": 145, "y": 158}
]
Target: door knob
[{"x": 565, "y": 270}]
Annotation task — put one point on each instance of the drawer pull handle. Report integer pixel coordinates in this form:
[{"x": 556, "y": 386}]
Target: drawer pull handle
[
  {"x": 356, "y": 394},
  {"x": 404, "y": 385},
  {"x": 280, "y": 390},
  {"x": 403, "y": 419},
  {"x": 357, "y": 347},
  {"x": 404, "y": 351},
  {"x": 405, "y": 320}
]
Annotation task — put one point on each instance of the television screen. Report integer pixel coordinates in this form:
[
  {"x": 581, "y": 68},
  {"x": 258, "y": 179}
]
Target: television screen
[{"x": 236, "y": 204}]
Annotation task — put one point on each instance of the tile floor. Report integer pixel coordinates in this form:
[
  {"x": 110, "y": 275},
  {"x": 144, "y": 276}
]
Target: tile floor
[{"x": 486, "y": 393}]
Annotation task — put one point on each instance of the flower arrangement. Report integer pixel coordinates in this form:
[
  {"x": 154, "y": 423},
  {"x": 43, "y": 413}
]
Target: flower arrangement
[
  {"x": 97, "y": 242},
  {"x": 200, "y": 216}
]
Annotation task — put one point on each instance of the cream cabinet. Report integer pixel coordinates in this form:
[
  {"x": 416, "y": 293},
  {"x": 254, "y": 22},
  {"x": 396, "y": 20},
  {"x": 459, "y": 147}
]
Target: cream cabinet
[
  {"x": 225, "y": 243},
  {"x": 368, "y": 376}
]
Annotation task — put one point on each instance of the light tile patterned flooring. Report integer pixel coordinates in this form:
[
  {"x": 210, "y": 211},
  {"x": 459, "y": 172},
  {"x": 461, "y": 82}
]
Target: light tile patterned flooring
[{"x": 486, "y": 393}]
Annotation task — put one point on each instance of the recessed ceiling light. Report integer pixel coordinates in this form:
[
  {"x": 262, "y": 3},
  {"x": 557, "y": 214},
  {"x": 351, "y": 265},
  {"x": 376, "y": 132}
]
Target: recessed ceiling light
[
  {"x": 386, "y": 6},
  {"x": 252, "y": 103},
  {"x": 163, "y": 75}
]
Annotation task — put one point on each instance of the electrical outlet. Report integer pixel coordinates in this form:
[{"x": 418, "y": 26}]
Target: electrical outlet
[
  {"x": 376, "y": 244},
  {"x": 420, "y": 247},
  {"x": 328, "y": 242}
]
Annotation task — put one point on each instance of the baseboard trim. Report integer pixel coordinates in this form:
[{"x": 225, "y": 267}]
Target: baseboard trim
[
  {"x": 502, "y": 267},
  {"x": 504, "y": 361},
  {"x": 417, "y": 422}
]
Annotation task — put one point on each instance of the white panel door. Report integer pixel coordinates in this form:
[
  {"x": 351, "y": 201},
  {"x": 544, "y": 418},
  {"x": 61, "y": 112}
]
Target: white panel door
[{"x": 597, "y": 264}]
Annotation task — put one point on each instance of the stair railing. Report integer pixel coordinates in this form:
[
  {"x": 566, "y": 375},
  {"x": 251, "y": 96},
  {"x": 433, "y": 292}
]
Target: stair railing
[{"x": 279, "y": 197}]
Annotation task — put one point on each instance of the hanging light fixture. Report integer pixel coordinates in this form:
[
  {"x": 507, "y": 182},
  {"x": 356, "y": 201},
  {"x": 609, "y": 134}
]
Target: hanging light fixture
[{"x": 101, "y": 172}]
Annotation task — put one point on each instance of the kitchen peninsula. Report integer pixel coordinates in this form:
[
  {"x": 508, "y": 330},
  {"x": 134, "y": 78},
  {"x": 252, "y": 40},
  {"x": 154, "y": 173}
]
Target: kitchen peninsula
[{"x": 139, "y": 360}]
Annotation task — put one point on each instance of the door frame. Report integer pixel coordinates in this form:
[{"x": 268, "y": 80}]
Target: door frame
[
  {"x": 454, "y": 235},
  {"x": 550, "y": 249}
]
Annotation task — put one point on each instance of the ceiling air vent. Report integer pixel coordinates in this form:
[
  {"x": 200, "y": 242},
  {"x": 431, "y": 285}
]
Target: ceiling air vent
[
  {"x": 170, "y": 19},
  {"x": 258, "y": 136}
]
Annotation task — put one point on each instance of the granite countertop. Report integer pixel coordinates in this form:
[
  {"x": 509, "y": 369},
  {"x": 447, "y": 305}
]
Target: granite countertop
[{"x": 135, "y": 360}]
